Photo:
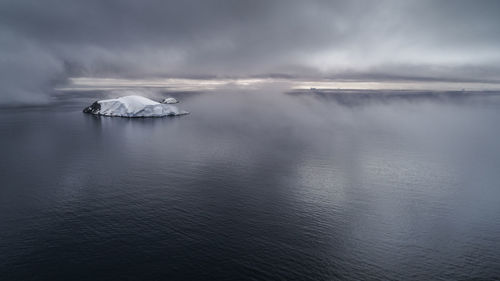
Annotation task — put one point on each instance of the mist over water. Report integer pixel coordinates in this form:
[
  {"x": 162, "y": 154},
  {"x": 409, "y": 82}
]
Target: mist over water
[{"x": 254, "y": 184}]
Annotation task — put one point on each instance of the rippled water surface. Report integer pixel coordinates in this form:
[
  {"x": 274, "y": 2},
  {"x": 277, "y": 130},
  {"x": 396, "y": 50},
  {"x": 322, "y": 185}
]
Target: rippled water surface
[{"x": 254, "y": 185}]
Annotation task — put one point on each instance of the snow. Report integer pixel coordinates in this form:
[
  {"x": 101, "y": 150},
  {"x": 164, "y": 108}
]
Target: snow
[
  {"x": 133, "y": 106},
  {"x": 170, "y": 100}
]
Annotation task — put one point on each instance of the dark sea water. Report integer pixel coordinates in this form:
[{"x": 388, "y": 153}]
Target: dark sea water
[{"x": 254, "y": 185}]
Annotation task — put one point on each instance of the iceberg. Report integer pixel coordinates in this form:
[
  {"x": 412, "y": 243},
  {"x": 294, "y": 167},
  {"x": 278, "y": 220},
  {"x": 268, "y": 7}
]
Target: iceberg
[
  {"x": 169, "y": 100},
  {"x": 132, "y": 106}
]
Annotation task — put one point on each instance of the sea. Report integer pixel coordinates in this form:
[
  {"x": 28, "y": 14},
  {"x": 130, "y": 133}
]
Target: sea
[{"x": 254, "y": 184}]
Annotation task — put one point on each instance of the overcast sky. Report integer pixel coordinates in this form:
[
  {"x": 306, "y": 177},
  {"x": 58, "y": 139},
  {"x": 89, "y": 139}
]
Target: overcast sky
[{"x": 44, "y": 42}]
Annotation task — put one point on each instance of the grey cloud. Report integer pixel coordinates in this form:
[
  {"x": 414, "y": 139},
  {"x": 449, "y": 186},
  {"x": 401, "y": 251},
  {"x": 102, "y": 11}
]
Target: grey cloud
[{"x": 45, "y": 41}]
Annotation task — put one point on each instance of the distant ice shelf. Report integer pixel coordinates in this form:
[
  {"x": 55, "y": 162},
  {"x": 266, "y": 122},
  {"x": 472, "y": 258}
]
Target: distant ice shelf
[{"x": 133, "y": 106}]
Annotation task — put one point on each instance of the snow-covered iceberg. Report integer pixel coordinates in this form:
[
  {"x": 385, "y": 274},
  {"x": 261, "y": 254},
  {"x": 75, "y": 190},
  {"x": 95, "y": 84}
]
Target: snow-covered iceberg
[
  {"x": 132, "y": 106},
  {"x": 169, "y": 100}
]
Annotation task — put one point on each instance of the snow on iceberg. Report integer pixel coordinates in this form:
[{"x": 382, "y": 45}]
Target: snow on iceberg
[
  {"x": 132, "y": 106},
  {"x": 169, "y": 100}
]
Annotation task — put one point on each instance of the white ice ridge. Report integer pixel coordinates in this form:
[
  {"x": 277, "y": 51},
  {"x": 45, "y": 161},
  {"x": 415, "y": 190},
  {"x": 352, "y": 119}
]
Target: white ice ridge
[{"x": 133, "y": 106}]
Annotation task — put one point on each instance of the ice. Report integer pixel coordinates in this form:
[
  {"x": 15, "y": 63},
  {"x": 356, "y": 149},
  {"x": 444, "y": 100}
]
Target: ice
[
  {"x": 170, "y": 100},
  {"x": 132, "y": 106}
]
